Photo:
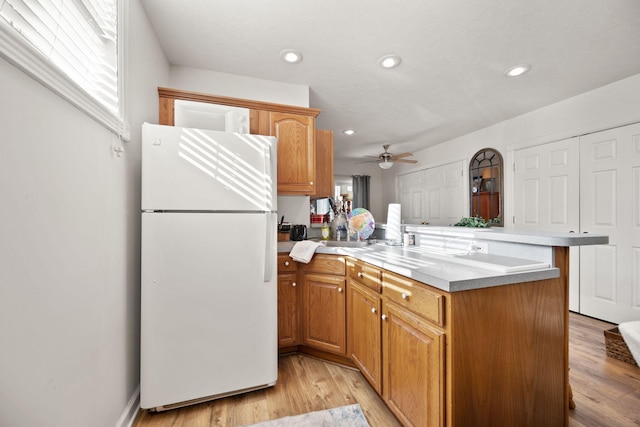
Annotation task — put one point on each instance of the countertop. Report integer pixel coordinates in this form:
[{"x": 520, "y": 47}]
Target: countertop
[
  {"x": 509, "y": 235},
  {"x": 450, "y": 273},
  {"x": 464, "y": 270}
]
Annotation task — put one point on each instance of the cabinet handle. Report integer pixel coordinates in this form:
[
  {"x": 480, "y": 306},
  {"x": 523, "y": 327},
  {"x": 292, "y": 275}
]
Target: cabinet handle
[
  {"x": 360, "y": 275},
  {"x": 405, "y": 296},
  {"x": 373, "y": 310},
  {"x": 286, "y": 263},
  {"x": 384, "y": 317},
  {"x": 340, "y": 290},
  {"x": 294, "y": 284}
]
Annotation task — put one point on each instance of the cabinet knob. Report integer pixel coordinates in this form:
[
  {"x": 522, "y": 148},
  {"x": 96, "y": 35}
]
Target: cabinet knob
[
  {"x": 360, "y": 275},
  {"x": 405, "y": 296},
  {"x": 286, "y": 263},
  {"x": 294, "y": 284},
  {"x": 373, "y": 310},
  {"x": 340, "y": 290},
  {"x": 310, "y": 182},
  {"x": 383, "y": 317}
]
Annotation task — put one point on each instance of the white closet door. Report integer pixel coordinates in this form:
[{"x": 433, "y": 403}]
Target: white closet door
[
  {"x": 444, "y": 194},
  {"x": 610, "y": 204},
  {"x": 546, "y": 197},
  {"x": 411, "y": 190}
]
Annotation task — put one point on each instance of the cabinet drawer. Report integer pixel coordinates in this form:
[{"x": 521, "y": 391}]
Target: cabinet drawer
[
  {"x": 365, "y": 274},
  {"x": 414, "y": 296},
  {"x": 326, "y": 264},
  {"x": 286, "y": 264}
]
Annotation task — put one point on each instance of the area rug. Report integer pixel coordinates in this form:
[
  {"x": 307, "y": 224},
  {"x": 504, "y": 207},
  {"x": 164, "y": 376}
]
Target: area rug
[{"x": 343, "y": 416}]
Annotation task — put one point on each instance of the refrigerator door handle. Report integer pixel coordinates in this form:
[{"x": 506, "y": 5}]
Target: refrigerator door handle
[{"x": 269, "y": 244}]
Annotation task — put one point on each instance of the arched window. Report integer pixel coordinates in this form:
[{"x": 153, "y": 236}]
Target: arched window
[{"x": 486, "y": 183}]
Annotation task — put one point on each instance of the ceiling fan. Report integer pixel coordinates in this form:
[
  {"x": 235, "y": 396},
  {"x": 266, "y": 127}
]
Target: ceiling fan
[{"x": 386, "y": 160}]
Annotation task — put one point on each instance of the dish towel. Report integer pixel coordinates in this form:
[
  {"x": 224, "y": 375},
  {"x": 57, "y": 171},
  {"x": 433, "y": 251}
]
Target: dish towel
[
  {"x": 630, "y": 331},
  {"x": 303, "y": 251}
]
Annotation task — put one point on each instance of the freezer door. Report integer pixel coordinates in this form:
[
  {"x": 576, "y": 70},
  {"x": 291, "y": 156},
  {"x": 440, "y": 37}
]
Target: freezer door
[
  {"x": 209, "y": 314},
  {"x": 192, "y": 169}
]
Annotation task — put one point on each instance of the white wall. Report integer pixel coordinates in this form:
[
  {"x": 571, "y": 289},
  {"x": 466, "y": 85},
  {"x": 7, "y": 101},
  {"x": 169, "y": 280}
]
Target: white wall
[
  {"x": 609, "y": 106},
  {"x": 69, "y": 248},
  {"x": 223, "y": 84}
]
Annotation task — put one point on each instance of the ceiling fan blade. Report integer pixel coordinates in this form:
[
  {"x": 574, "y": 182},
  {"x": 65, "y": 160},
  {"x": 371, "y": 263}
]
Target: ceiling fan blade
[
  {"x": 404, "y": 161},
  {"x": 368, "y": 161},
  {"x": 373, "y": 157},
  {"x": 399, "y": 156}
]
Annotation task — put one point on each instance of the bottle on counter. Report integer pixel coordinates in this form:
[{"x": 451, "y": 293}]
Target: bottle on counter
[{"x": 325, "y": 231}]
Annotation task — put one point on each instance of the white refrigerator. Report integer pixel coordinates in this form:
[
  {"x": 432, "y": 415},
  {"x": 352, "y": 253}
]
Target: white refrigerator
[{"x": 209, "y": 265}]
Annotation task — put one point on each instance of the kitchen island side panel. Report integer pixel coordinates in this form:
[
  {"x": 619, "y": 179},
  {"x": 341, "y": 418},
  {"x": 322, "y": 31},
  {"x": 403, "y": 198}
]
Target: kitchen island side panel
[{"x": 509, "y": 353}]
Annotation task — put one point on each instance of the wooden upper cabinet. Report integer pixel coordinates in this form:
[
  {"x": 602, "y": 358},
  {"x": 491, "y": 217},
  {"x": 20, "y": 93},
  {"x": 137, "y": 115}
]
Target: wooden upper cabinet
[
  {"x": 296, "y": 152},
  {"x": 295, "y": 129},
  {"x": 167, "y": 113},
  {"x": 324, "y": 164}
]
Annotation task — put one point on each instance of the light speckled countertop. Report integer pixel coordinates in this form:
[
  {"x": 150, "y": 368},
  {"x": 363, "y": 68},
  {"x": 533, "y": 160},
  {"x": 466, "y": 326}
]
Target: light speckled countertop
[
  {"x": 437, "y": 270},
  {"x": 515, "y": 257}
]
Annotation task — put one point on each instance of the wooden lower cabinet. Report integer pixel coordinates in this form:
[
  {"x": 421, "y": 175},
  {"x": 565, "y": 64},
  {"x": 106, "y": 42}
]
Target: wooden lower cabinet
[
  {"x": 287, "y": 310},
  {"x": 288, "y": 302},
  {"x": 482, "y": 357},
  {"x": 413, "y": 383},
  {"x": 396, "y": 340},
  {"x": 364, "y": 332},
  {"x": 324, "y": 314}
]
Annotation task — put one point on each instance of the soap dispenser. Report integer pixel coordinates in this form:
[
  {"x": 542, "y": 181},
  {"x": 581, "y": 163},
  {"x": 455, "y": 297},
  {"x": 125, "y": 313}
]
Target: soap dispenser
[{"x": 325, "y": 231}]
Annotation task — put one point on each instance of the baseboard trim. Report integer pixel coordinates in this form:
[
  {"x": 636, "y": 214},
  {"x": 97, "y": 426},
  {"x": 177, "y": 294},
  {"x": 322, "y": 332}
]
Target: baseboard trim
[{"x": 131, "y": 410}]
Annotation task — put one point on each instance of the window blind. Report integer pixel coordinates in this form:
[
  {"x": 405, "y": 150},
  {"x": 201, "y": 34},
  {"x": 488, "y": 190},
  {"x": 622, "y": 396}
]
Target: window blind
[{"x": 72, "y": 47}]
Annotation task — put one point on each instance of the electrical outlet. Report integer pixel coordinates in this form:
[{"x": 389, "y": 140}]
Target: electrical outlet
[
  {"x": 482, "y": 247},
  {"x": 479, "y": 247}
]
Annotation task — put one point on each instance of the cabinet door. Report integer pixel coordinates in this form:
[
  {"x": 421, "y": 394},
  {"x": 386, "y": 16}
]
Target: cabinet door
[
  {"x": 296, "y": 152},
  {"x": 413, "y": 378},
  {"x": 324, "y": 164},
  {"x": 287, "y": 310},
  {"x": 324, "y": 325},
  {"x": 363, "y": 317}
]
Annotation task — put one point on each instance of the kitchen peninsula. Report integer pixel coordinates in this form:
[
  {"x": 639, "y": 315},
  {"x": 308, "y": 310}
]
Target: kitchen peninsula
[{"x": 467, "y": 327}]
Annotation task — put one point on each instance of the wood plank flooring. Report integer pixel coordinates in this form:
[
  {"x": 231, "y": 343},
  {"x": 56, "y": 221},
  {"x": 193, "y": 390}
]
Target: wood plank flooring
[{"x": 606, "y": 391}]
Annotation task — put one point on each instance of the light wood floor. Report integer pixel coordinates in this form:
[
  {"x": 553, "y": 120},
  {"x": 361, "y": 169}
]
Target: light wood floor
[{"x": 606, "y": 391}]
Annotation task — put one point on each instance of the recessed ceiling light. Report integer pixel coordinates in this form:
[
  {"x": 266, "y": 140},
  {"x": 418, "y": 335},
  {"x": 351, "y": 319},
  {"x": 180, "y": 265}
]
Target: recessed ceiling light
[
  {"x": 349, "y": 131},
  {"x": 517, "y": 70},
  {"x": 291, "y": 56},
  {"x": 389, "y": 61}
]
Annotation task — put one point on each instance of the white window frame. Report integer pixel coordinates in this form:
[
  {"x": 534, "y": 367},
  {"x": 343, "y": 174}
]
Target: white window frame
[{"x": 23, "y": 55}]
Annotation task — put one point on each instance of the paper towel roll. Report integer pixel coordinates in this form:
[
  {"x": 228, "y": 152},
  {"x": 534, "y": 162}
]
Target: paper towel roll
[{"x": 394, "y": 216}]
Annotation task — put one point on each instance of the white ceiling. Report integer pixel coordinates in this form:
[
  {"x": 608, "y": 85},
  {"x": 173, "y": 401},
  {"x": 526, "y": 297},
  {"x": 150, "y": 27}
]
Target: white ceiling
[{"x": 454, "y": 53}]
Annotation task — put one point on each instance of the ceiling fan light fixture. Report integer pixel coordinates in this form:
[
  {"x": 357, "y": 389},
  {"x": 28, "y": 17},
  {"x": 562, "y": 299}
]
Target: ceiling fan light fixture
[
  {"x": 349, "y": 132},
  {"x": 389, "y": 61},
  {"x": 517, "y": 70},
  {"x": 386, "y": 164},
  {"x": 291, "y": 56}
]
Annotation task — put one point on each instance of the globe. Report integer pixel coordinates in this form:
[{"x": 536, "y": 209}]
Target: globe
[{"x": 362, "y": 221}]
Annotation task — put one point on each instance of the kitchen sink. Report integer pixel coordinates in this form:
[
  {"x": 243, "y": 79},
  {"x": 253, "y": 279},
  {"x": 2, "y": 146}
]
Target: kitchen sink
[{"x": 346, "y": 243}]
